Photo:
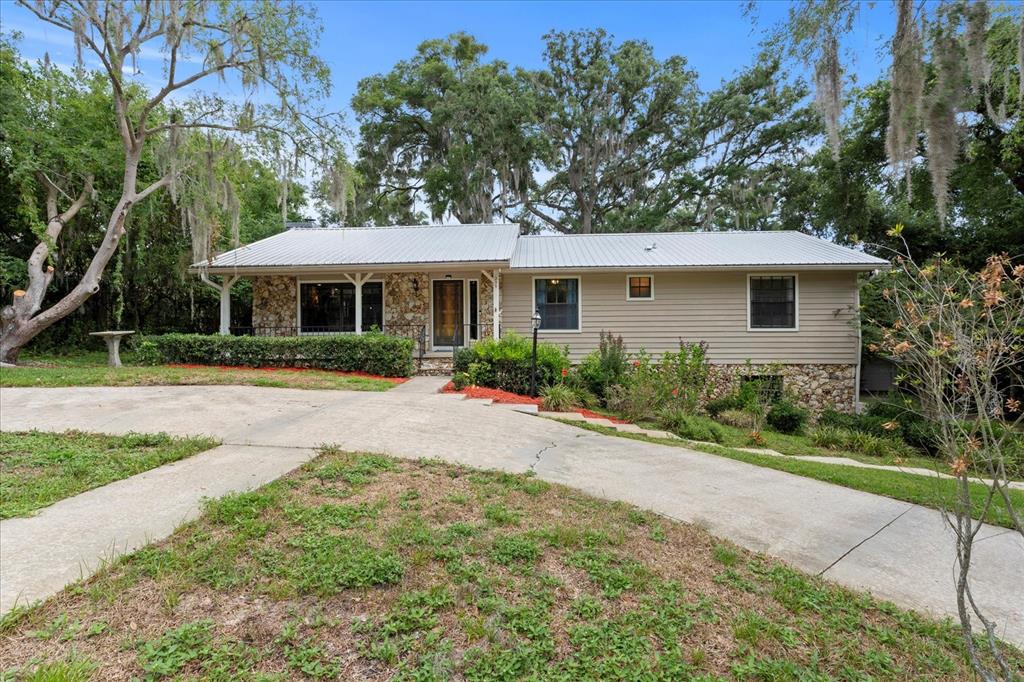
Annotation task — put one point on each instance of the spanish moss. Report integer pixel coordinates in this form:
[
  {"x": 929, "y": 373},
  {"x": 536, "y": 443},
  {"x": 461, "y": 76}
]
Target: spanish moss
[
  {"x": 907, "y": 92},
  {"x": 828, "y": 85}
]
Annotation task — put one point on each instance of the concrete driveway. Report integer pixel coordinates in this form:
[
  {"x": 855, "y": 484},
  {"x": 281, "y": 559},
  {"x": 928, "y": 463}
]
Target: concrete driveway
[{"x": 897, "y": 551}]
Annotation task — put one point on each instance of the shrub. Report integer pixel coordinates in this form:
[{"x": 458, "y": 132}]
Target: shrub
[
  {"x": 719, "y": 405},
  {"x": 737, "y": 418},
  {"x": 685, "y": 376},
  {"x": 691, "y": 426},
  {"x": 607, "y": 366},
  {"x": 836, "y": 438},
  {"x": 785, "y": 416},
  {"x": 505, "y": 363},
  {"x": 373, "y": 353},
  {"x": 461, "y": 380},
  {"x": 559, "y": 398},
  {"x": 640, "y": 396}
]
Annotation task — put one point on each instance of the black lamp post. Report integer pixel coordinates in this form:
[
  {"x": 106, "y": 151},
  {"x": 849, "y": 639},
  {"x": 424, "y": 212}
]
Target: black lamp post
[{"x": 533, "y": 359}]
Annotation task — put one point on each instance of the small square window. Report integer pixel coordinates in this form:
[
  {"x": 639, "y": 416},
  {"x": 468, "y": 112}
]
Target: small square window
[{"x": 639, "y": 287}]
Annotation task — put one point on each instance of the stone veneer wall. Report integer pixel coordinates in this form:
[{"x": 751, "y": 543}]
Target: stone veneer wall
[
  {"x": 274, "y": 301},
  {"x": 816, "y": 387},
  {"x": 403, "y": 305}
]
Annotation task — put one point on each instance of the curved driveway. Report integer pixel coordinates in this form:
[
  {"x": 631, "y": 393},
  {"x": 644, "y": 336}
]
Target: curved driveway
[{"x": 895, "y": 550}]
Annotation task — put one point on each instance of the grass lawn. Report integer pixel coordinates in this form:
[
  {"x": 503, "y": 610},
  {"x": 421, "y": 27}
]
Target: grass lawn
[
  {"x": 38, "y": 469},
  {"x": 90, "y": 369},
  {"x": 920, "y": 489},
  {"x": 360, "y": 566}
]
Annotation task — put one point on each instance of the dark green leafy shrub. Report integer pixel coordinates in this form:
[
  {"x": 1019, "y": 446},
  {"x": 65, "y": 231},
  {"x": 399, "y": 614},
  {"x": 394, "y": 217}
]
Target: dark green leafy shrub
[
  {"x": 460, "y": 380},
  {"x": 505, "y": 363},
  {"x": 719, "y": 405},
  {"x": 738, "y": 418},
  {"x": 604, "y": 367},
  {"x": 786, "y": 416},
  {"x": 372, "y": 353},
  {"x": 691, "y": 426}
]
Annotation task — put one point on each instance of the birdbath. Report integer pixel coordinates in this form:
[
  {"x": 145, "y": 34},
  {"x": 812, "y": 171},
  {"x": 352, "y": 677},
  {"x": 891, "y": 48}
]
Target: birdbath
[{"x": 113, "y": 340}]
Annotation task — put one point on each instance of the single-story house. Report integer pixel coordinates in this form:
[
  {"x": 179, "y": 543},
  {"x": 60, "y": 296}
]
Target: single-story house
[{"x": 766, "y": 297}]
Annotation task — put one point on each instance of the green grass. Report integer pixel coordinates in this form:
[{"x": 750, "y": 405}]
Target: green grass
[
  {"x": 924, "y": 490},
  {"x": 90, "y": 369},
  {"x": 358, "y": 566},
  {"x": 38, "y": 469}
]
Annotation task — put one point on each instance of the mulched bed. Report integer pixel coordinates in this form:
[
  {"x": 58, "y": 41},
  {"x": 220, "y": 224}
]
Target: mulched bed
[
  {"x": 365, "y": 375},
  {"x": 509, "y": 398}
]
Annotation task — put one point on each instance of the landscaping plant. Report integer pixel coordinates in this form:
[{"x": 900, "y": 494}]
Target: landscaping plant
[
  {"x": 506, "y": 363},
  {"x": 605, "y": 367},
  {"x": 956, "y": 336}
]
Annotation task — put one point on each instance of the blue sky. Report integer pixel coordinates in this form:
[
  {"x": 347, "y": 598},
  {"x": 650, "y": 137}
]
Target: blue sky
[{"x": 363, "y": 38}]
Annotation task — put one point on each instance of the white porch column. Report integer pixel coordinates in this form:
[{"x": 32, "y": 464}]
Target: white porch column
[
  {"x": 358, "y": 281},
  {"x": 224, "y": 288},
  {"x": 495, "y": 278}
]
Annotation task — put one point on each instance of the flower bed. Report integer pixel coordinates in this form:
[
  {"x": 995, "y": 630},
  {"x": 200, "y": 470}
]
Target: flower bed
[
  {"x": 229, "y": 368},
  {"x": 500, "y": 396}
]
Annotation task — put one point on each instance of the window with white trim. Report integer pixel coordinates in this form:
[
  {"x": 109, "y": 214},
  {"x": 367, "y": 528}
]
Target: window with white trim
[
  {"x": 639, "y": 287},
  {"x": 326, "y": 307},
  {"x": 772, "y": 301},
  {"x": 558, "y": 302}
]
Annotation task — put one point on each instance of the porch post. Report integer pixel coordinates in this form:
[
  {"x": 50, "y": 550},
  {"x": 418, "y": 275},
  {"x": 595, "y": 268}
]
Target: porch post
[
  {"x": 495, "y": 277},
  {"x": 224, "y": 288},
  {"x": 358, "y": 281}
]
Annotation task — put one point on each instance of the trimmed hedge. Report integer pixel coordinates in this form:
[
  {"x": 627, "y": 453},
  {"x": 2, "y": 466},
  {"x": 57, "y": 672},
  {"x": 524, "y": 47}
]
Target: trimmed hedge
[{"x": 373, "y": 353}]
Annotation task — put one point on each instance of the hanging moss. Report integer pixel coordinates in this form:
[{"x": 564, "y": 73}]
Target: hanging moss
[
  {"x": 943, "y": 104},
  {"x": 828, "y": 89},
  {"x": 907, "y": 92}
]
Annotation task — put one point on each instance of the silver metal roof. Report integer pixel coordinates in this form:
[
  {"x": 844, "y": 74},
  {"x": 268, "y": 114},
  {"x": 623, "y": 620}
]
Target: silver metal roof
[
  {"x": 501, "y": 245},
  {"x": 311, "y": 247},
  {"x": 685, "y": 250}
]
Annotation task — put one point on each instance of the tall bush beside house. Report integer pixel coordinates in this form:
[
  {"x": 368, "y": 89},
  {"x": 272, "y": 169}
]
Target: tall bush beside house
[{"x": 605, "y": 367}]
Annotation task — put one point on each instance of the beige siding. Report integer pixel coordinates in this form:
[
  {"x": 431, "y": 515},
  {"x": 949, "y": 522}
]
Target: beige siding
[{"x": 700, "y": 306}]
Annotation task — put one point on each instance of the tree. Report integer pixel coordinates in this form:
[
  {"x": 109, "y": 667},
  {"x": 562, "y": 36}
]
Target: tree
[
  {"x": 445, "y": 128},
  {"x": 609, "y": 128},
  {"x": 266, "y": 46},
  {"x": 956, "y": 336},
  {"x": 969, "y": 81}
]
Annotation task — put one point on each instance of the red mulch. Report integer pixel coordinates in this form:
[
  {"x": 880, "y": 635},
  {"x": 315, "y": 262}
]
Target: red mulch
[
  {"x": 365, "y": 375},
  {"x": 499, "y": 396}
]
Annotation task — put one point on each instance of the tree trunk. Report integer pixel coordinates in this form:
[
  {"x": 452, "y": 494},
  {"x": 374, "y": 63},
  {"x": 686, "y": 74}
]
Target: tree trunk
[{"x": 20, "y": 323}]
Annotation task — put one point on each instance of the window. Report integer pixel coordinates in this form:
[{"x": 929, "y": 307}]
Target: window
[
  {"x": 767, "y": 386},
  {"x": 373, "y": 307},
  {"x": 639, "y": 288},
  {"x": 474, "y": 310},
  {"x": 558, "y": 302},
  {"x": 773, "y": 302},
  {"x": 326, "y": 307}
]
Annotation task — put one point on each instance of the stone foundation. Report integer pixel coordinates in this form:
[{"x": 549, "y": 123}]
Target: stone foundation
[
  {"x": 274, "y": 301},
  {"x": 434, "y": 367},
  {"x": 816, "y": 387}
]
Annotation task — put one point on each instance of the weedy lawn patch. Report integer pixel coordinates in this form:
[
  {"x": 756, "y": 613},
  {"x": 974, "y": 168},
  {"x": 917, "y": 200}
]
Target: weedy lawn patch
[
  {"x": 38, "y": 469},
  {"x": 359, "y": 566}
]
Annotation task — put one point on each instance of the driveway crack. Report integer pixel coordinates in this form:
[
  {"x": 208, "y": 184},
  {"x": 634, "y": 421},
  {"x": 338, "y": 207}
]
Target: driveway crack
[
  {"x": 536, "y": 458},
  {"x": 847, "y": 552}
]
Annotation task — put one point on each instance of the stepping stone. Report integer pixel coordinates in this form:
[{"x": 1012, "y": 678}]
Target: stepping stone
[
  {"x": 654, "y": 433},
  {"x": 525, "y": 409},
  {"x": 480, "y": 401},
  {"x": 568, "y": 416},
  {"x": 629, "y": 428},
  {"x": 761, "y": 451},
  {"x": 599, "y": 422}
]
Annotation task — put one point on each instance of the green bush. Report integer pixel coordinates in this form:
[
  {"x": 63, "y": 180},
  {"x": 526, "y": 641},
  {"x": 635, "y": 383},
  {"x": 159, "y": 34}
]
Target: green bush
[
  {"x": 785, "y": 416},
  {"x": 738, "y": 418},
  {"x": 839, "y": 438},
  {"x": 373, "y": 353},
  {"x": 607, "y": 366},
  {"x": 719, "y": 405},
  {"x": 691, "y": 426},
  {"x": 559, "y": 398},
  {"x": 505, "y": 363}
]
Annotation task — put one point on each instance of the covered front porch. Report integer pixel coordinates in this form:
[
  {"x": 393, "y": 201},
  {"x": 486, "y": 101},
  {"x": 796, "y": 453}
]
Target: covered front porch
[{"x": 442, "y": 310}]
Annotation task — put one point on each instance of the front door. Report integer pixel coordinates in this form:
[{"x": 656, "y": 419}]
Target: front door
[{"x": 448, "y": 313}]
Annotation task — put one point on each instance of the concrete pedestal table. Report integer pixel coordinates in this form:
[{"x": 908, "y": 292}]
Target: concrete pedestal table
[{"x": 113, "y": 339}]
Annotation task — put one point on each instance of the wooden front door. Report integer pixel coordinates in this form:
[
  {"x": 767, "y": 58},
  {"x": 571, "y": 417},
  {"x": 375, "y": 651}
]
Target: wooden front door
[{"x": 448, "y": 322}]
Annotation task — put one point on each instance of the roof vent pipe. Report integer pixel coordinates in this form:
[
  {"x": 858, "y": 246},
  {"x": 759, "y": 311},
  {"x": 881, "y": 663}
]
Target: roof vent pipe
[{"x": 652, "y": 247}]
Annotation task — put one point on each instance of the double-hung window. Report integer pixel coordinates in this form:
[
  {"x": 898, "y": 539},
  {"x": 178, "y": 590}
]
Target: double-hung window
[
  {"x": 558, "y": 302},
  {"x": 772, "y": 301}
]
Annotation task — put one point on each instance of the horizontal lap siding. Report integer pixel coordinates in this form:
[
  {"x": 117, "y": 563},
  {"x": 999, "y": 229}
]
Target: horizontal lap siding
[{"x": 700, "y": 306}]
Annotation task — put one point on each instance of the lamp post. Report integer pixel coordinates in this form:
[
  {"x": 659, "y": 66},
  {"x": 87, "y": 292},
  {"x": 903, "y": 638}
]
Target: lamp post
[{"x": 533, "y": 358}]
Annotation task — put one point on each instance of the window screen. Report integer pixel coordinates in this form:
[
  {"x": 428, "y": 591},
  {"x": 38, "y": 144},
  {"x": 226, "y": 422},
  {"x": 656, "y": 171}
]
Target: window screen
[{"x": 773, "y": 302}]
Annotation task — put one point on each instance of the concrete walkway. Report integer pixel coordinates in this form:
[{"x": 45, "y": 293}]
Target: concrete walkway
[{"x": 896, "y": 550}]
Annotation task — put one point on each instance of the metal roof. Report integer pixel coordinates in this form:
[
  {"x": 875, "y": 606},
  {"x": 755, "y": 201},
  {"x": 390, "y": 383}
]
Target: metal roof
[
  {"x": 398, "y": 245},
  {"x": 686, "y": 250},
  {"x": 501, "y": 245}
]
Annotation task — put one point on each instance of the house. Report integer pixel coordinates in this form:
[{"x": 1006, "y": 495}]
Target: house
[{"x": 766, "y": 297}]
